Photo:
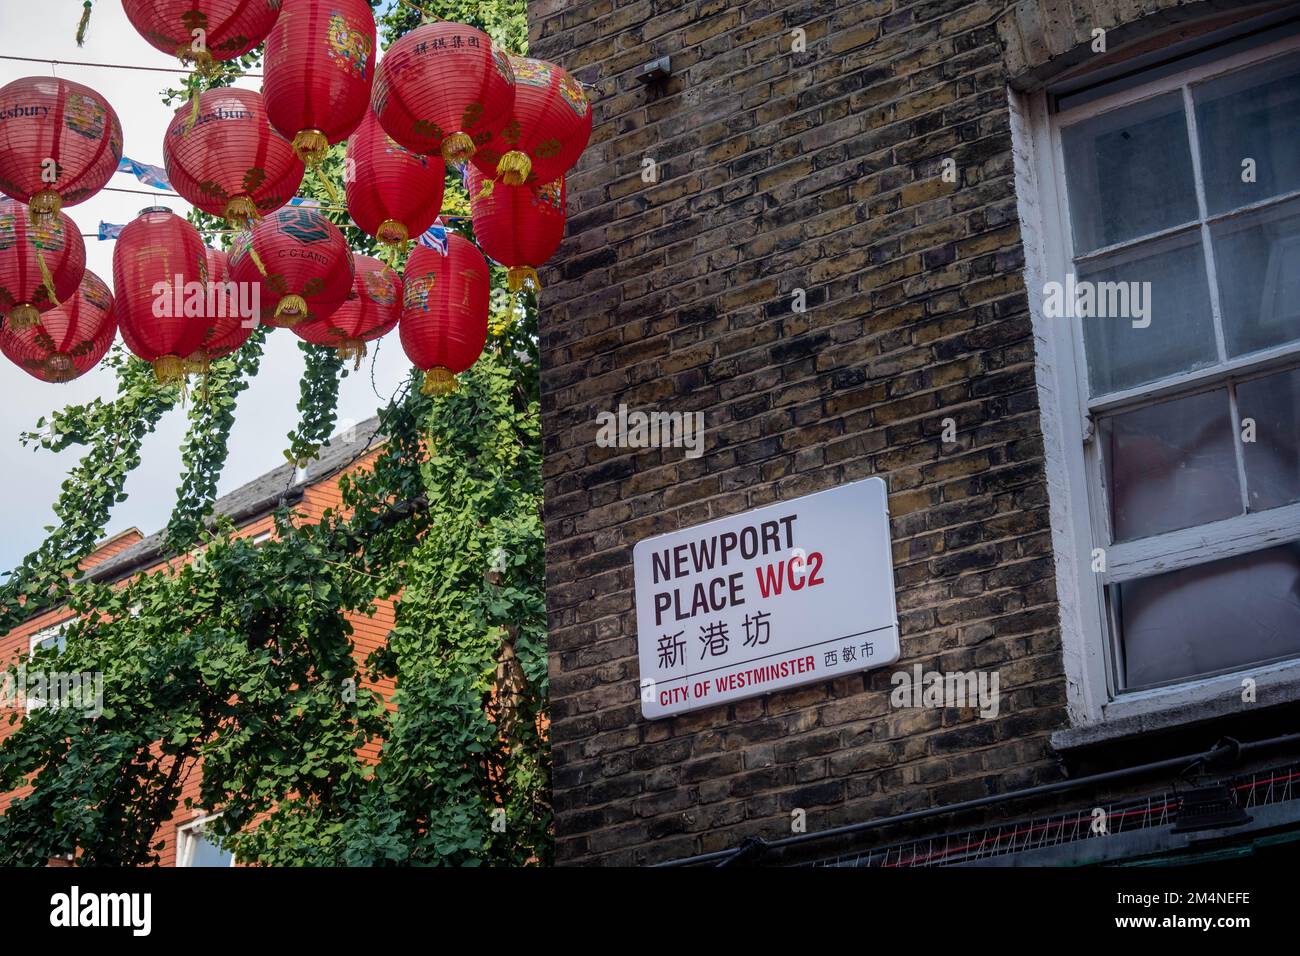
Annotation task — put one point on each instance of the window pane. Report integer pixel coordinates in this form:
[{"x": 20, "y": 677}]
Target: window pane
[
  {"x": 55, "y": 641},
  {"x": 1257, "y": 259},
  {"x": 1171, "y": 465},
  {"x": 1252, "y": 114},
  {"x": 208, "y": 853},
  {"x": 1210, "y": 618},
  {"x": 1180, "y": 335},
  {"x": 1273, "y": 458},
  {"x": 1129, "y": 173}
]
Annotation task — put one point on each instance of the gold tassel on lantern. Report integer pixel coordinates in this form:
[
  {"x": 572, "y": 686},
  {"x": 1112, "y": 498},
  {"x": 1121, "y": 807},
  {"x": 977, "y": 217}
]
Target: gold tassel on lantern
[
  {"x": 46, "y": 278},
  {"x": 328, "y": 186},
  {"x": 241, "y": 212},
  {"x": 292, "y": 309},
  {"x": 194, "y": 110},
  {"x": 516, "y": 276},
  {"x": 257, "y": 260},
  {"x": 392, "y": 235},
  {"x": 23, "y": 317},
  {"x": 199, "y": 363},
  {"x": 201, "y": 60},
  {"x": 58, "y": 367},
  {"x": 514, "y": 168},
  {"x": 457, "y": 148},
  {"x": 311, "y": 145},
  {"x": 439, "y": 381},
  {"x": 44, "y": 206},
  {"x": 170, "y": 370},
  {"x": 205, "y": 69},
  {"x": 392, "y": 232},
  {"x": 354, "y": 349}
]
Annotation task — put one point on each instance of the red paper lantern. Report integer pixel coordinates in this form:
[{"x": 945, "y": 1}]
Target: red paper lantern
[
  {"x": 59, "y": 142},
  {"x": 518, "y": 226},
  {"x": 229, "y": 28},
  {"x": 68, "y": 340},
  {"x": 393, "y": 193},
  {"x": 230, "y": 163},
  {"x": 444, "y": 88},
  {"x": 549, "y": 128},
  {"x": 158, "y": 264},
  {"x": 445, "y": 311},
  {"x": 41, "y": 263},
  {"x": 317, "y": 72},
  {"x": 228, "y": 324},
  {"x": 300, "y": 263},
  {"x": 370, "y": 311}
]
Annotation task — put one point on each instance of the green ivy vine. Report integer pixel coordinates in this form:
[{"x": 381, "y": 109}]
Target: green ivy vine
[{"x": 244, "y": 662}]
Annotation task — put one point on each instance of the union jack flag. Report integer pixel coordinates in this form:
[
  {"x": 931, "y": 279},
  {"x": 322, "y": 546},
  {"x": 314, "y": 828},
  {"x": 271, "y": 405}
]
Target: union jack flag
[{"x": 435, "y": 237}]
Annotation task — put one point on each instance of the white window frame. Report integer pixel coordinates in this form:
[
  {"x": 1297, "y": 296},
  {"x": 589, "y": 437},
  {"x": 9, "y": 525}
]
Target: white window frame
[
  {"x": 186, "y": 840},
  {"x": 58, "y": 631},
  {"x": 44, "y": 634},
  {"x": 1076, "y": 496}
]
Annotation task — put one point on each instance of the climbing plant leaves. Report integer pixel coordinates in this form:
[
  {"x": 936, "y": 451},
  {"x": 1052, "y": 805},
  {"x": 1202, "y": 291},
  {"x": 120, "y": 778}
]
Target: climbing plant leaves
[{"x": 245, "y": 662}]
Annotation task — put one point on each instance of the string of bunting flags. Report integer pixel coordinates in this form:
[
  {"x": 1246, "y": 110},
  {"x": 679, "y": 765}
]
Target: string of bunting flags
[
  {"x": 442, "y": 94},
  {"x": 434, "y": 237}
]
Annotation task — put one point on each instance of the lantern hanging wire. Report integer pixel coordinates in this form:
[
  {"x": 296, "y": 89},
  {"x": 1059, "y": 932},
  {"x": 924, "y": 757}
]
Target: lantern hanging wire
[
  {"x": 112, "y": 66},
  {"x": 162, "y": 69}
]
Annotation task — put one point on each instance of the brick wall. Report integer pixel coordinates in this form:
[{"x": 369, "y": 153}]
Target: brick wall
[
  {"x": 1042, "y": 37},
  {"x": 780, "y": 171},
  {"x": 112, "y": 547}
]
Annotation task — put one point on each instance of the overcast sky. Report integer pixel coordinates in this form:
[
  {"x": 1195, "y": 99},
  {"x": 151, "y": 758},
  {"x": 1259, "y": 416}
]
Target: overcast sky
[{"x": 29, "y": 481}]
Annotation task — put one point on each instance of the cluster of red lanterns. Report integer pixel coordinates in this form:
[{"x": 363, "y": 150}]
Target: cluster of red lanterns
[{"x": 442, "y": 93}]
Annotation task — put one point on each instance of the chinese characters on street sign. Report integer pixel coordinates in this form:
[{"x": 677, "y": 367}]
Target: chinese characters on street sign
[{"x": 787, "y": 594}]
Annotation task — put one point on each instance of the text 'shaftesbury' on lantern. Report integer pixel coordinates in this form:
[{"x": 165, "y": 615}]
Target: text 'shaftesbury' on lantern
[
  {"x": 370, "y": 311},
  {"x": 444, "y": 88},
  {"x": 41, "y": 263},
  {"x": 445, "y": 311},
  {"x": 60, "y": 142},
  {"x": 159, "y": 261},
  {"x": 201, "y": 32},
  {"x": 70, "y": 339},
  {"x": 301, "y": 261},
  {"x": 317, "y": 72},
  {"x": 393, "y": 193},
  {"x": 229, "y": 162}
]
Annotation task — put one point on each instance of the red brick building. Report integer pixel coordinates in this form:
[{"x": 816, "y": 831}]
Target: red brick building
[
  {"x": 839, "y": 230},
  {"x": 308, "y": 492}
]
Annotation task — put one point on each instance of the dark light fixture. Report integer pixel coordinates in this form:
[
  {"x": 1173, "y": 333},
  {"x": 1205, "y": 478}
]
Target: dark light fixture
[
  {"x": 656, "y": 71},
  {"x": 1208, "y": 808}
]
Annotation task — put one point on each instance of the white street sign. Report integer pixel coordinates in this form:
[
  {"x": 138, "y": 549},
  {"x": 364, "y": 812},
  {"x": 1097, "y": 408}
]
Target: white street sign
[{"x": 786, "y": 594}]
